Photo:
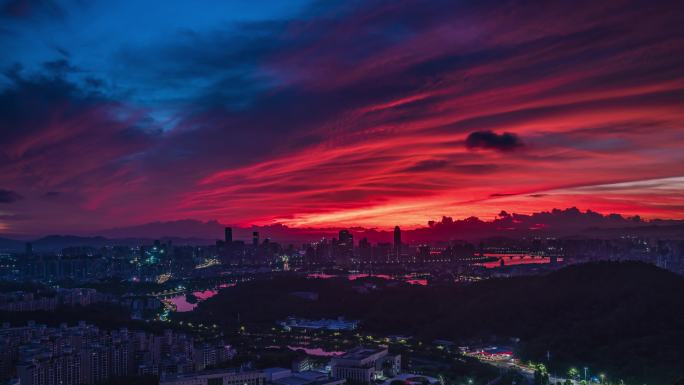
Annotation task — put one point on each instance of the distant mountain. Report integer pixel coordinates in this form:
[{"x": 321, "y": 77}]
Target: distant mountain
[
  {"x": 58, "y": 242},
  {"x": 558, "y": 223},
  {"x": 52, "y": 243},
  {"x": 647, "y": 230},
  {"x": 7, "y": 244},
  {"x": 213, "y": 230},
  {"x": 186, "y": 228},
  {"x": 564, "y": 223}
]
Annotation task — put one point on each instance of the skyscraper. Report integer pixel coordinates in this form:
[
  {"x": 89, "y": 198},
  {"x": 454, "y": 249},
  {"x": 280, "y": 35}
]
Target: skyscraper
[
  {"x": 255, "y": 239},
  {"x": 346, "y": 238},
  {"x": 397, "y": 242},
  {"x": 365, "y": 251},
  {"x": 228, "y": 235},
  {"x": 345, "y": 248}
]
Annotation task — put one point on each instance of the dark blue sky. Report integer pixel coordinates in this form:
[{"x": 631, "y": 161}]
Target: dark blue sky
[{"x": 148, "y": 53}]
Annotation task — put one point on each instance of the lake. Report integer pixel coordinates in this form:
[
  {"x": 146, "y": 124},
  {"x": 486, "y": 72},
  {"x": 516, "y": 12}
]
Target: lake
[{"x": 181, "y": 300}]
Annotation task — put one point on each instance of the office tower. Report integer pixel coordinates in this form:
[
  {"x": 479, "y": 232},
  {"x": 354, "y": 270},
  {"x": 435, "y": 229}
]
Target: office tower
[
  {"x": 228, "y": 235},
  {"x": 346, "y": 237},
  {"x": 255, "y": 239},
  {"x": 29, "y": 248},
  {"x": 397, "y": 242},
  {"x": 365, "y": 251},
  {"x": 345, "y": 248}
]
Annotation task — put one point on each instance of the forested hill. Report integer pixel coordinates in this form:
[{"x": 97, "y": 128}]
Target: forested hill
[{"x": 626, "y": 318}]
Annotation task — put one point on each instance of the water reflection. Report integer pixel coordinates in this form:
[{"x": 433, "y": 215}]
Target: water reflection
[
  {"x": 413, "y": 279},
  {"x": 188, "y": 302},
  {"x": 315, "y": 351},
  {"x": 515, "y": 259}
]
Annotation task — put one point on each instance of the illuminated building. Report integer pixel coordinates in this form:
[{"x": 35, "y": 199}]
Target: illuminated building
[
  {"x": 363, "y": 365},
  {"x": 345, "y": 248},
  {"x": 397, "y": 242},
  {"x": 217, "y": 377}
]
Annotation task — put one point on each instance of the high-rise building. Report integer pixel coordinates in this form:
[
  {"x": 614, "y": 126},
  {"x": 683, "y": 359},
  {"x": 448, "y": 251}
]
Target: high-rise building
[
  {"x": 383, "y": 253},
  {"x": 397, "y": 242},
  {"x": 345, "y": 248},
  {"x": 346, "y": 237},
  {"x": 255, "y": 239},
  {"x": 228, "y": 235},
  {"x": 365, "y": 251}
]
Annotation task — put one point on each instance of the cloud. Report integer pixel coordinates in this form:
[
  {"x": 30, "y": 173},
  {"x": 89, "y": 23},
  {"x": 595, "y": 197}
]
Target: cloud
[
  {"x": 9, "y": 196},
  {"x": 537, "y": 195},
  {"x": 59, "y": 67},
  {"x": 427, "y": 165},
  {"x": 490, "y": 140},
  {"x": 22, "y": 9},
  {"x": 347, "y": 112},
  {"x": 58, "y": 136}
]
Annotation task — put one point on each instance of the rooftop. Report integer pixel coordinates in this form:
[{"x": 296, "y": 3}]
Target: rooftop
[{"x": 360, "y": 353}]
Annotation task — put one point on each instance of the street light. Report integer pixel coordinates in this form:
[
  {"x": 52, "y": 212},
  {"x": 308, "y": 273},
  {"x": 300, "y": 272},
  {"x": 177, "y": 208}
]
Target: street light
[{"x": 585, "y": 373}]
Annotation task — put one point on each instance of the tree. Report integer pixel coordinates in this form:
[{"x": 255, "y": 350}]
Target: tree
[
  {"x": 573, "y": 373},
  {"x": 541, "y": 377}
]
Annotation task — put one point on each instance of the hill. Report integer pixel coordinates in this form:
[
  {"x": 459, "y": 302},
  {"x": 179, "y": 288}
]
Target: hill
[{"x": 625, "y": 318}]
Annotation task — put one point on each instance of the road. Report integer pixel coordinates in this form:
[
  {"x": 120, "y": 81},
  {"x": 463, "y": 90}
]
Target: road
[{"x": 525, "y": 371}]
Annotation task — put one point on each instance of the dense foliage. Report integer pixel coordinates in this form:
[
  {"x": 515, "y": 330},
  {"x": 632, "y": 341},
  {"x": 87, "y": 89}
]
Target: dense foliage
[{"x": 625, "y": 318}]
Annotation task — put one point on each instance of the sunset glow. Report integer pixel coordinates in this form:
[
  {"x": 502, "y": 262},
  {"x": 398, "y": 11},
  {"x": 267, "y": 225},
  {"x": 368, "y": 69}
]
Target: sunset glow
[{"x": 356, "y": 114}]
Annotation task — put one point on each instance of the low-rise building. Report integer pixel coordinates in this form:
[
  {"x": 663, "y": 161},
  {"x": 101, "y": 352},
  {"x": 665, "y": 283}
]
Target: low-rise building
[
  {"x": 308, "y": 377},
  {"x": 272, "y": 376},
  {"x": 217, "y": 377},
  {"x": 363, "y": 365}
]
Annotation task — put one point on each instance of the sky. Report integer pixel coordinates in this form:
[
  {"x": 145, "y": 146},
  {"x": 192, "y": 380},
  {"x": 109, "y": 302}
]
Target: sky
[{"x": 336, "y": 113}]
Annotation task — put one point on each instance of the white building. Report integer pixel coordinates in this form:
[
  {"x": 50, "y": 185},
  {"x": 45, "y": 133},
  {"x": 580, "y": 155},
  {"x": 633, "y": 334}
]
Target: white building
[{"x": 362, "y": 365}]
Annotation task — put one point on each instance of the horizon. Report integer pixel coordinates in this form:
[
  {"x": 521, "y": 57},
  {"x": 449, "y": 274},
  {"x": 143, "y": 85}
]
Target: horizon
[
  {"x": 336, "y": 114},
  {"x": 342, "y": 192},
  {"x": 556, "y": 222}
]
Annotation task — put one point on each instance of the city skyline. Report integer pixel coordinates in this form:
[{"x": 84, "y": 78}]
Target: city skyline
[
  {"x": 557, "y": 223},
  {"x": 336, "y": 114},
  {"x": 341, "y": 192}
]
